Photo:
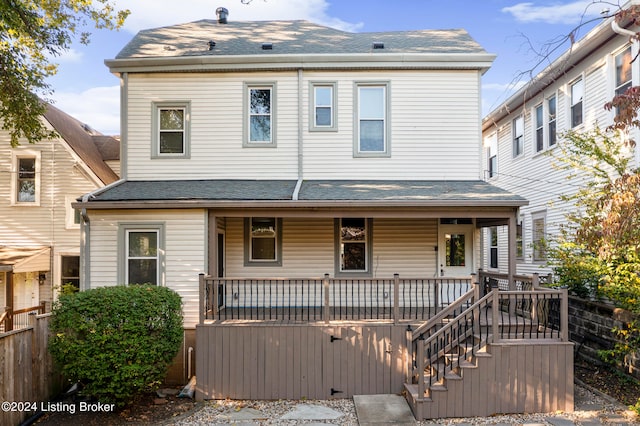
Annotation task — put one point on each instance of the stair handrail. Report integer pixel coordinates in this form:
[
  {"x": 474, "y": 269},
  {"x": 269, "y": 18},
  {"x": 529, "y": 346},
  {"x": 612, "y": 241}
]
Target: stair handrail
[{"x": 431, "y": 322}]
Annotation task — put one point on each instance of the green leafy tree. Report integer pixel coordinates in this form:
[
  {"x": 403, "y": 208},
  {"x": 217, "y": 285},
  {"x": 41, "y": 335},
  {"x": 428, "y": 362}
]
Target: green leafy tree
[{"x": 32, "y": 34}]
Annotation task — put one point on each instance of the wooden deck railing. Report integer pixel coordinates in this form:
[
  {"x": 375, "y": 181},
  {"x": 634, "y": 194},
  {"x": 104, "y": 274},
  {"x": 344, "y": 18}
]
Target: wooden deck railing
[
  {"x": 327, "y": 299},
  {"x": 19, "y": 318}
]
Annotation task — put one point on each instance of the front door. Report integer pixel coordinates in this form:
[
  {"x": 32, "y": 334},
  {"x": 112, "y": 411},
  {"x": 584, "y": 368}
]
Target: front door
[{"x": 455, "y": 250}]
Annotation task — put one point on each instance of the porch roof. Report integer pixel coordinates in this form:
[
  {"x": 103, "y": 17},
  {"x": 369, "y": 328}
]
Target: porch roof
[{"x": 283, "y": 193}]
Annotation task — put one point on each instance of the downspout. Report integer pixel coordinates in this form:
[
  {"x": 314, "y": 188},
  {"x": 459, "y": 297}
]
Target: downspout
[
  {"x": 124, "y": 123},
  {"x": 296, "y": 191},
  {"x": 622, "y": 31}
]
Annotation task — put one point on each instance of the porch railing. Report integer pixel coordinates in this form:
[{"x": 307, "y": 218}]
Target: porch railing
[
  {"x": 327, "y": 299},
  {"x": 16, "y": 319}
]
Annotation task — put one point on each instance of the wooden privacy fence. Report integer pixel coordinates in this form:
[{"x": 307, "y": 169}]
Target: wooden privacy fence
[
  {"x": 26, "y": 368},
  {"x": 327, "y": 299}
]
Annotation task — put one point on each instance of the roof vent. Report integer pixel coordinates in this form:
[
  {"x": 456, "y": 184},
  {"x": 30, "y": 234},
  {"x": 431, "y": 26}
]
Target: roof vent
[
  {"x": 267, "y": 46},
  {"x": 378, "y": 45},
  {"x": 222, "y": 14},
  {"x": 212, "y": 44}
]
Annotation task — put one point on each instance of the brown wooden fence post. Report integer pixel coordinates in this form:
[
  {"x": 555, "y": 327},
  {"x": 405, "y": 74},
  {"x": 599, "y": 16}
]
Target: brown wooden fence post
[
  {"x": 495, "y": 329},
  {"x": 535, "y": 281},
  {"x": 325, "y": 286},
  {"x": 564, "y": 315},
  {"x": 396, "y": 297}
]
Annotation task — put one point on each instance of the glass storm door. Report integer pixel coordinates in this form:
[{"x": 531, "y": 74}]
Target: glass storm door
[{"x": 455, "y": 250}]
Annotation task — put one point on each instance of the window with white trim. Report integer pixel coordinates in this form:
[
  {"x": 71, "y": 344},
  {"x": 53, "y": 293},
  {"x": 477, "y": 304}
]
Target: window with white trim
[
  {"x": 493, "y": 247},
  {"x": 623, "y": 62},
  {"x": 551, "y": 120},
  {"x": 171, "y": 122},
  {"x": 372, "y": 126},
  {"x": 539, "y": 235},
  {"x": 73, "y": 217},
  {"x": 26, "y": 179},
  {"x": 323, "y": 111},
  {"x": 539, "y": 121},
  {"x": 70, "y": 271},
  {"x": 263, "y": 241},
  {"x": 577, "y": 94},
  {"x": 518, "y": 136},
  {"x": 142, "y": 256},
  {"x": 354, "y": 245},
  {"x": 260, "y": 115},
  {"x": 492, "y": 155}
]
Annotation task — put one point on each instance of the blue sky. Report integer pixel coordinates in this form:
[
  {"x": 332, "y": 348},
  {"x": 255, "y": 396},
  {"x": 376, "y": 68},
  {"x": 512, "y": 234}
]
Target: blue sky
[{"x": 511, "y": 29}]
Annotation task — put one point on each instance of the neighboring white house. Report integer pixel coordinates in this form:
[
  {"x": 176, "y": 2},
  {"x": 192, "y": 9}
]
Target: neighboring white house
[
  {"x": 520, "y": 135},
  {"x": 39, "y": 230}
]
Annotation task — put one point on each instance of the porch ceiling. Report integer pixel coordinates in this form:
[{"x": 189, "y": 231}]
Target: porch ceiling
[{"x": 310, "y": 194}]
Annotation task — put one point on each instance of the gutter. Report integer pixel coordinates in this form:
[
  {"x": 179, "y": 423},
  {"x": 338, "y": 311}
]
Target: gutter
[{"x": 622, "y": 31}]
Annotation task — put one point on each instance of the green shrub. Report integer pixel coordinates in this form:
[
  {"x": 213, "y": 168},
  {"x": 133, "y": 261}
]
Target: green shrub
[{"x": 117, "y": 342}]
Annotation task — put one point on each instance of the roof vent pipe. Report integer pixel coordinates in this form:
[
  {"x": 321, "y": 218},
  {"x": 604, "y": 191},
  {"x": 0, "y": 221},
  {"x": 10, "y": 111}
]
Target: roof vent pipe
[{"x": 222, "y": 14}]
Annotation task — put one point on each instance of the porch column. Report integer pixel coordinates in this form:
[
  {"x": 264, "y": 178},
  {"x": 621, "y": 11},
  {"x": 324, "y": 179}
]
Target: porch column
[
  {"x": 512, "y": 248},
  {"x": 212, "y": 244}
]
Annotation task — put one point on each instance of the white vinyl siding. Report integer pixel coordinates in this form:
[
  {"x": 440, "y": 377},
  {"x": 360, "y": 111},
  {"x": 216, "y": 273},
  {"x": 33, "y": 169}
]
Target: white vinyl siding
[{"x": 185, "y": 249}]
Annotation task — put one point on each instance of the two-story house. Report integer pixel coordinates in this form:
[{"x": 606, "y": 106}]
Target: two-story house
[
  {"x": 285, "y": 177},
  {"x": 39, "y": 230},
  {"x": 520, "y": 137}
]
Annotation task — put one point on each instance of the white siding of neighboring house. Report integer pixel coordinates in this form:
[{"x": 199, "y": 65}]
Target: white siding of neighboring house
[
  {"x": 435, "y": 122},
  {"x": 62, "y": 178},
  {"x": 533, "y": 175},
  {"x": 185, "y": 250}
]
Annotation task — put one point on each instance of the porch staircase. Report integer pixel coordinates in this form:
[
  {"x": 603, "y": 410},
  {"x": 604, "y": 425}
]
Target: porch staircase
[{"x": 451, "y": 361}]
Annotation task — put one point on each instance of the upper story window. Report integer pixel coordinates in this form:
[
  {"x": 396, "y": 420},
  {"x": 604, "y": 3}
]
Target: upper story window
[
  {"x": 26, "y": 179},
  {"x": 372, "y": 127},
  {"x": 539, "y": 120},
  {"x": 518, "y": 136},
  {"x": 263, "y": 241},
  {"x": 260, "y": 115},
  {"x": 492, "y": 154},
  {"x": 623, "y": 71},
  {"x": 171, "y": 129},
  {"x": 323, "y": 111},
  {"x": 577, "y": 93},
  {"x": 551, "y": 120}
]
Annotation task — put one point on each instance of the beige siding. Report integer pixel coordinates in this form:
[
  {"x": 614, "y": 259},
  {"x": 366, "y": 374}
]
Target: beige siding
[
  {"x": 435, "y": 127},
  {"x": 185, "y": 250},
  {"x": 399, "y": 246}
]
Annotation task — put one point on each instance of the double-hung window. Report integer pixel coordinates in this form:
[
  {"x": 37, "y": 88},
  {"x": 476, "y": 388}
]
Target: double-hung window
[
  {"x": 492, "y": 154},
  {"x": 323, "y": 111},
  {"x": 260, "y": 115},
  {"x": 493, "y": 247},
  {"x": 171, "y": 123},
  {"x": 141, "y": 248},
  {"x": 372, "y": 120},
  {"x": 518, "y": 136},
  {"x": 539, "y": 120},
  {"x": 263, "y": 241},
  {"x": 539, "y": 232},
  {"x": 551, "y": 120},
  {"x": 26, "y": 179},
  {"x": 623, "y": 62},
  {"x": 577, "y": 93},
  {"x": 353, "y": 245}
]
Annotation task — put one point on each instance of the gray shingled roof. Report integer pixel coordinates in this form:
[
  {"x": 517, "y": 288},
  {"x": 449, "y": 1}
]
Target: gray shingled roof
[
  {"x": 288, "y": 37},
  {"x": 420, "y": 192}
]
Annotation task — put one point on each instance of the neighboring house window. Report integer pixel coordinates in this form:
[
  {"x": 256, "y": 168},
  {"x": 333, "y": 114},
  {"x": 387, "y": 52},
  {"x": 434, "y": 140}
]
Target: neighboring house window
[
  {"x": 70, "y": 271},
  {"x": 539, "y": 118},
  {"x": 519, "y": 251},
  {"x": 372, "y": 138},
  {"x": 73, "y": 216},
  {"x": 260, "y": 115},
  {"x": 141, "y": 248},
  {"x": 518, "y": 136},
  {"x": 539, "y": 232},
  {"x": 263, "y": 241},
  {"x": 26, "y": 179},
  {"x": 171, "y": 122},
  {"x": 354, "y": 245},
  {"x": 577, "y": 93},
  {"x": 551, "y": 120},
  {"x": 493, "y": 247},
  {"x": 323, "y": 111},
  {"x": 623, "y": 72},
  {"x": 492, "y": 155}
]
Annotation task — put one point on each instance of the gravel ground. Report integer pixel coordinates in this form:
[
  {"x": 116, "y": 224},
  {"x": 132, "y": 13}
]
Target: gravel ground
[{"x": 591, "y": 408}]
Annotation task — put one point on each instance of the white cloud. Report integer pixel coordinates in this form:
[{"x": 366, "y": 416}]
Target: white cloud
[
  {"x": 569, "y": 14},
  {"x": 98, "y": 107},
  {"x": 69, "y": 56},
  {"x": 157, "y": 13},
  {"x": 504, "y": 87}
]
